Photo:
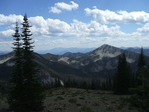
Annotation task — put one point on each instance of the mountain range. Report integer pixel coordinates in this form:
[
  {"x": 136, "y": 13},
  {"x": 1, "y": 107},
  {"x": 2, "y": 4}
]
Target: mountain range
[
  {"x": 100, "y": 62},
  {"x": 61, "y": 51}
]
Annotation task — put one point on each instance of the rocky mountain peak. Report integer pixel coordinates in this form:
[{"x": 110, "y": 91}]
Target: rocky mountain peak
[
  {"x": 106, "y": 51},
  {"x": 106, "y": 47}
]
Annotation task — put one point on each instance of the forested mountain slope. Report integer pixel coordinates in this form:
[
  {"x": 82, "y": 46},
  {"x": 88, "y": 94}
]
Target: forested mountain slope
[{"x": 101, "y": 62}]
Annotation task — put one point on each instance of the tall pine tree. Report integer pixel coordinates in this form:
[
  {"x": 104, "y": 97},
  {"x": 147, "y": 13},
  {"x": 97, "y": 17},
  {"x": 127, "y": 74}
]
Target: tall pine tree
[
  {"x": 141, "y": 60},
  {"x": 31, "y": 98},
  {"x": 16, "y": 93},
  {"x": 123, "y": 77},
  {"x": 140, "y": 97}
]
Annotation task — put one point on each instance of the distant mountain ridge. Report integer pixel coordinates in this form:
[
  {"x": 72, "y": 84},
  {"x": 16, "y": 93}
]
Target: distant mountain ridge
[
  {"x": 137, "y": 50},
  {"x": 64, "y": 51},
  {"x": 4, "y": 52},
  {"x": 100, "y": 62},
  {"x": 61, "y": 51}
]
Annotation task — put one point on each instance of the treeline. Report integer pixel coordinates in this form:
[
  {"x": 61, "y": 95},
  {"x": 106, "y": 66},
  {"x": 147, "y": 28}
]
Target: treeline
[
  {"x": 123, "y": 79},
  {"x": 73, "y": 83},
  {"x": 124, "y": 82},
  {"x": 94, "y": 84}
]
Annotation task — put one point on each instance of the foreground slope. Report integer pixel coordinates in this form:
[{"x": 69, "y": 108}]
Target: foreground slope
[{"x": 80, "y": 100}]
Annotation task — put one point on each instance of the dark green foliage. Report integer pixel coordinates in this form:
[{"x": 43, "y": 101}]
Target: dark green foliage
[
  {"x": 15, "y": 97},
  {"x": 68, "y": 83},
  {"x": 107, "y": 84},
  {"x": 57, "y": 83},
  {"x": 140, "y": 97},
  {"x": 95, "y": 84},
  {"x": 122, "y": 78},
  {"x": 26, "y": 94},
  {"x": 141, "y": 60},
  {"x": 141, "y": 64}
]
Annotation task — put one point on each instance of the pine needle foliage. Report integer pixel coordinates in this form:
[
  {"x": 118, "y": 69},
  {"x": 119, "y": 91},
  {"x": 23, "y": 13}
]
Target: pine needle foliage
[
  {"x": 140, "y": 97},
  {"x": 26, "y": 94},
  {"x": 122, "y": 79}
]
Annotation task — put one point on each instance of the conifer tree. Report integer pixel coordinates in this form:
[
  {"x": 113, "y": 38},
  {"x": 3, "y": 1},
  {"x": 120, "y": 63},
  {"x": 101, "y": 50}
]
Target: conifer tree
[
  {"x": 31, "y": 98},
  {"x": 141, "y": 60},
  {"x": 16, "y": 93},
  {"x": 140, "y": 97},
  {"x": 123, "y": 77},
  {"x": 33, "y": 88}
]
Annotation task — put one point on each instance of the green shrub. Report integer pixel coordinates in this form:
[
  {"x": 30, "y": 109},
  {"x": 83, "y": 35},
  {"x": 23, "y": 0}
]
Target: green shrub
[
  {"x": 81, "y": 98},
  {"x": 86, "y": 109},
  {"x": 72, "y": 100},
  {"x": 95, "y": 104},
  {"x": 60, "y": 98}
]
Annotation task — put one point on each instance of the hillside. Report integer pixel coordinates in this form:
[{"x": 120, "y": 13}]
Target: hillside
[{"x": 101, "y": 62}]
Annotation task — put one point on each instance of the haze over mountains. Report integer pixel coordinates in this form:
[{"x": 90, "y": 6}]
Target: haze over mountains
[
  {"x": 101, "y": 63},
  {"x": 61, "y": 51}
]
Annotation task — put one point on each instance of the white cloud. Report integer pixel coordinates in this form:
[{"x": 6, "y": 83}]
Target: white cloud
[
  {"x": 96, "y": 29},
  {"x": 55, "y": 10},
  {"x": 49, "y": 27},
  {"x": 144, "y": 29},
  {"x": 65, "y": 6},
  {"x": 58, "y": 7},
  {"x": 85, "y": 42},
  {"x": 10, "y": 19},
  {"x": 111, "y": 17},
  {"x": 80, "y": 34},
  {"x": 142, "y": 32},
  {"x": 57, "y": 28},
  {"x": 6, "y": 34}
]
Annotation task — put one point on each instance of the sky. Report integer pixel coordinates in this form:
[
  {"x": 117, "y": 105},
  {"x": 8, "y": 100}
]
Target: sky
[{"x": 77, "y": 23}]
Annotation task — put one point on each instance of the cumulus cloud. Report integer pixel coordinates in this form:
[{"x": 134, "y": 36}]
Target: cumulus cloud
[
  {"x": 58, "y": 7},
  {"x": 6, "y": 33},
  {"x": 144, "y": 29},
  {"x": 142, "y": 32},
  {"x": 93, "y": 42},
  {"x": 49, "y": 27},
  {"x": 111, "y": 17},
  {"x": 55, "y": 10},
  {"x": 96, "y": 29},
  {"x": 80, "y": 34},
  {"x": 10, "y": 19},
  {"x": 57, "y": 28}
]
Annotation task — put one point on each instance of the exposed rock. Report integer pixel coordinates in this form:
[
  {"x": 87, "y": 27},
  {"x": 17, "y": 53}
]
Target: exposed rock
[{"x": 99, "y": 62}]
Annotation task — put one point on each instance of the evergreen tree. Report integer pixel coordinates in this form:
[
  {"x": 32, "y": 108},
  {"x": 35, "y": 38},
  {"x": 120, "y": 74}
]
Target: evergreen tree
[
  {"x": 31, "y": 98},
  {"x": 140, "y": 98},
  {"x": 68, "y": 83},
  {"x": 123, "y": 77},
  {"x": 95, "y": 84},
  {"x": 140, "y": 65},
  {"x": 141, "y": 60},
  {"x": 16, "y": 93}
]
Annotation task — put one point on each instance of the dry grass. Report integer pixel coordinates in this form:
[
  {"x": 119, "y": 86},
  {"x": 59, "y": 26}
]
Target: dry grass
[{"x": 80, "y": 100}]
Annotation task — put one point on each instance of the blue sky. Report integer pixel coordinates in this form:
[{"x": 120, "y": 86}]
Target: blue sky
[{"x": 77, "y": 23}]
